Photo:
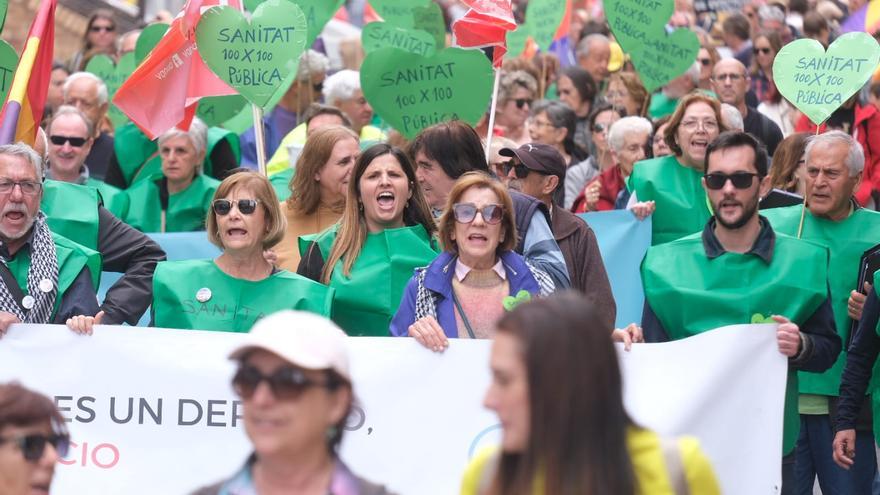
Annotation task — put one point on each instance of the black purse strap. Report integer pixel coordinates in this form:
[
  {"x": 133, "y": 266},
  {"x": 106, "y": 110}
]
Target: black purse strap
[{"x": 464, "y": 318}]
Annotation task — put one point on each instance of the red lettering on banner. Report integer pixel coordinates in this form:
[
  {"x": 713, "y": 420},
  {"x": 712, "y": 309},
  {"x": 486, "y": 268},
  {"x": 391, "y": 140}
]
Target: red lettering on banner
[{"x": 104, "y": 455}]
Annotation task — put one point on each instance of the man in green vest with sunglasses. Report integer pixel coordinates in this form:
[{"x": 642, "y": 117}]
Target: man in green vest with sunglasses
[{"x": 738, "y": 270}]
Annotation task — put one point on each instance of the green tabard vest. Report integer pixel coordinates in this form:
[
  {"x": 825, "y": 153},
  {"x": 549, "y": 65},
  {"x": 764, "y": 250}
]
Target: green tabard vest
[
  {"x": 114, "y": 198},
  {"x": 366, "y": 301},
  {"x": 682, "y": 206},
  {"x": 72, "y": 211},
  {"x": 187, "y": 209},
  {"x": 234, "y": 304},
  {"x": 281, "y": 183},
  {"x": 691, "y": 293},
  {"x": 71, "y": 256},
  {"x": 138, "y": 156},
  {"x": 846, "y": 241}
]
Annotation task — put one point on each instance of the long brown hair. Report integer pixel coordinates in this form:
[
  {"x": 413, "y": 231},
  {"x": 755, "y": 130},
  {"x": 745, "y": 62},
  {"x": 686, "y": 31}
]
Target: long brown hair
[
  {"x": 352, "y": 231},
  {"x": 577, "y": 421},
  {"x": 786, "y": 161},
  {"x": 305, "y": 196}
]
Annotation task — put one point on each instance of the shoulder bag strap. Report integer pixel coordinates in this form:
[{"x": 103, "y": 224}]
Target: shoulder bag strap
[
  {"x": 12, "y": 285},
  {"x": 464, "y": 318}
]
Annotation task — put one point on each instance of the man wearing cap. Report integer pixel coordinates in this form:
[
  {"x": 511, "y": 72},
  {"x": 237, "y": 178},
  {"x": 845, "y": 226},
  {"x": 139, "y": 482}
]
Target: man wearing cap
[
  {"x": 538, "y": 170},
  {"x": 296, "y": 390},
  {"x": 44, "y": 278}
]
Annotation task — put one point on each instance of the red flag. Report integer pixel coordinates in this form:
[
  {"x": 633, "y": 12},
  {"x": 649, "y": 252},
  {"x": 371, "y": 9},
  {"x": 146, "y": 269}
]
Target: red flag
[
  {"x": 485, "y": 24},
  {"x": 23, "y": 109},
  {"x": 163, "y": 91}
]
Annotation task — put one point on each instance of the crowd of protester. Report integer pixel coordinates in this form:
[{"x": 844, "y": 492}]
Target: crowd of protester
[{"x": 429, "y": 238}]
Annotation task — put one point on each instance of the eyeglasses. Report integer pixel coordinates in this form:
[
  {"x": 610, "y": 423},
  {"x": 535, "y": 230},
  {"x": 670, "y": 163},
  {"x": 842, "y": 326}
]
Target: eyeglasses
[
  {"x": 467, "y": 212},
  {"x": 76, "y": 142},
  {"x": 693, "y": 125},
  {"x": 732, "y": 77},
  {"x": 97, "y": 29},
  {"x": 285, "y": 383},
  {"x": 740, "y": 180},
  {"x": 764, "y": 50},
  {"x": 541, "y": 123},
  {"x": 28, "y": 187},
  {"x": 222, "y": 207},
  {"x": 34, "y": 446},
  {"x": 599, "y": 127},
  {"x": 521, "y": 102},
  {"x": 706, "y": 62},
  {"x": 318, "y": 87},
  {"x": 519, "y": 169}
]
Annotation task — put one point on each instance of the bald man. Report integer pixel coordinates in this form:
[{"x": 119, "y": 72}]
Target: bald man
[{"x": 731, "y": 81}]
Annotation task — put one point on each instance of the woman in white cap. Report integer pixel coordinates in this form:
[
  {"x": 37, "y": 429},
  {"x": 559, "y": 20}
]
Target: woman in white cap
[{"x": 294, "y": 382}]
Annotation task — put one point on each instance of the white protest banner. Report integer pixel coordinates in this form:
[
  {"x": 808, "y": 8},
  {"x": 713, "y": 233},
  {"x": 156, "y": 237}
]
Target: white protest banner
[{"x": 151, "y": 410}]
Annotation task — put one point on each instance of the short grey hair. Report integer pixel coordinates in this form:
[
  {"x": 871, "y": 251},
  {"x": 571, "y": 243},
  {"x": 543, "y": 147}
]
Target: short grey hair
[
  {"x": 627, "y": 125},
  {"x": 733, "y": 119},
  {"x": 771, "y": 13},
  {"x": 512, "y": 80},
  {"x": 102, "y": 88},
  {"x": 197, "y": 134},
  {"x": 583, "y": 47},
  {"x": 72, "y": 110},
  {"x": 341, "y": 86},
  {"x": 311, "y": 64},
  {"x": 22, "y": 150},
  {"x": 855, "y": 157}
]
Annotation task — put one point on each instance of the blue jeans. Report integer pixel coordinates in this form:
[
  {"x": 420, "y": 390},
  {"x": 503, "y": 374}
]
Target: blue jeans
[{"x": 813, "y": 458}]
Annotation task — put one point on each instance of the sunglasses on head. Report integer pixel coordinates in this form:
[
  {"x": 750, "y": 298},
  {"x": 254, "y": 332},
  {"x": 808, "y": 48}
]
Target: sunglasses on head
[
  {"x": 285, "y": 383},
  {"x": 467, "y": 212},
  {"x": 34, "y": 446},
  {"x": 521, "y": 102},
  {"x": 96, "y": 29},
  {"x": 740, "y": 180},
  {"x": 222, "y": 207},
  {"x": 765, "y": 51},
  {"x": 76, "y": 142}
]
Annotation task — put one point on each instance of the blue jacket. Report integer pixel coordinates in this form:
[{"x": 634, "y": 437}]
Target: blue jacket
[{"x": 438, "y": 282}]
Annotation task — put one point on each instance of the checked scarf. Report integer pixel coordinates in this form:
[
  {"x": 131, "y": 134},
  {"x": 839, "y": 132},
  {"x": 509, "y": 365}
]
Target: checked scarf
[{"x": 44, "y": 266}]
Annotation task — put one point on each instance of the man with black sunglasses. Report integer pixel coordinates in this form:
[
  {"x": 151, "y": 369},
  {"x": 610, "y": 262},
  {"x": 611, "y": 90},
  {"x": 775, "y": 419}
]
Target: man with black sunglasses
[{"x": 738, "y": 270}]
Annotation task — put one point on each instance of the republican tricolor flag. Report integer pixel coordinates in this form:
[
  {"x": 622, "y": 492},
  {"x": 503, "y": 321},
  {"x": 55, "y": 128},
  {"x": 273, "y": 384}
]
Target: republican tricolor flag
[
  {"x": 23, "y": 109},
  {"x": 485, "y": 25}
]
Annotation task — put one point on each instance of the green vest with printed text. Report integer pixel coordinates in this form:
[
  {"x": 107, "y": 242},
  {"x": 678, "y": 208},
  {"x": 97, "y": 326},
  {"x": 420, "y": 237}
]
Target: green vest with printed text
[
  {"x": 682, "y": 206},
  {"x": 367, "y": 299},
  {"x": 234, "y": 304},
  {"x": 186, "y": 212},
  {"x": 691, "y": 293}
]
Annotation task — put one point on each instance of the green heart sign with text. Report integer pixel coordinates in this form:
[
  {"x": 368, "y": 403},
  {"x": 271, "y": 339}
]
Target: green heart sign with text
[
  {"x": 113, "y": 76},
  {"x": 318, "y": 13},
  {"x": 543, "y": 18},
  {"x": 412, "y": 92},
  {"x": 640, "y": 28},
  {"x": 215, "y": 110},
  {"x": 4, "y": 6},
  {"x": 377, "y": 35},
  {"x": 254, "y": 58},
  {"x": 430, "y": 19},
  {"x": 8, "y": 63},
  {"x": 398, "y": 12},
  {"x": 149, "y": 38},
  {"x": 818, "y": 82},
  {"x": 516, "y": 41}
]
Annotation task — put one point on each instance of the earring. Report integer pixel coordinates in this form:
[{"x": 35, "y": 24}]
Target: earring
[{"x": 331, "y": 433}]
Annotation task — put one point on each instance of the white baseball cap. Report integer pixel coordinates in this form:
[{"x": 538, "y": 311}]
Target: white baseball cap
[{"x": 304, "y": 339}]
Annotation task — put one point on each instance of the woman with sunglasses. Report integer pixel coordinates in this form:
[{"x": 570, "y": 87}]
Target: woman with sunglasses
[
  {"x": 516, "y": 92},
  {"x": 558, "y": 393},
  {"x": 296, "y": 393},
  {"x": 99, "y": 38},
  {"x": 578, "y": 175},
  {"x": 33, "y": 437},
  {"x": 232, "y": 291},
  {"x": 478, "y": 276},
  {"x": 385, "y": 233},
  {"x": 707, "y": 57},
  {"x": 178, "y": 200},
  {"x": 627, "y": 94}
]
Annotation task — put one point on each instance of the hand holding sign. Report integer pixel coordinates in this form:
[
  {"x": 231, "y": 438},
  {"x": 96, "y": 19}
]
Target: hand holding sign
[
  {"x": 818, "y": 82},
  {"x": 412, "y": 92},
  {"x": 256, "y": 57},
  {"x": 640, "y": 29}
]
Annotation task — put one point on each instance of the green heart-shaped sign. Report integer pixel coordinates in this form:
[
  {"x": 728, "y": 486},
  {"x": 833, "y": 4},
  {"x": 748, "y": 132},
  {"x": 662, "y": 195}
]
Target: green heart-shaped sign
[
  {"x": 543, "y": 18},
  {"x": 398, "y": 12},
  {"x": 430, "y": 19},
  {"x": 149, "y": 38},
  {"x": 412, "y": 92},
  {"x": 640, "y": 28},
  {"x": 256, "y": 57},
  {"x": 318, "y": 13},
  {"x": 516, "y": 41},
  {"x": 377, "y": 35},
  {"x": 215, "y": 110},
  {"x": 4, "y": 6},
  {"x": 8, "y": 63},
  {"x": 113, "y": 76},
  {"x": 818, "y": 82}
]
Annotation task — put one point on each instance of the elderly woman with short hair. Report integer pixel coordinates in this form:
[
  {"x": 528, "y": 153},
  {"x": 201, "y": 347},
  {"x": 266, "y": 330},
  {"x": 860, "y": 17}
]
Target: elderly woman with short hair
[
  {"x": 343, "y": 90},
  {"x": 468, "y": 287},
  {"x": 232, "y": 291},
  {"x": 516, "y": 92},
  {"x": 180, "y": 199}
]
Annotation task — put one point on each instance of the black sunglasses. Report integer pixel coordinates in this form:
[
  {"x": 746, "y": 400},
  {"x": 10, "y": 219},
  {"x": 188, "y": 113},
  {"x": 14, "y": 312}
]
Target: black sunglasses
[
  {"x": 740, "y": 180},
  {"x": 34, "y": 446},
  {"x": 599, "y": 128},
  {"x": 76, "y": 142},
  {"x": 222, "y": 207},
  {"x": 706, "y": 62},
  {"x": 96, "y": 29},
  {"x": 521, "y": 102},
  {"x": 318, "y": 87},
  {"x": 467, "y": 212},
  {"x": 519, "y": 169},
  {"x": 765, "y": 51},
  {"x": 285, "y": 383}
]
